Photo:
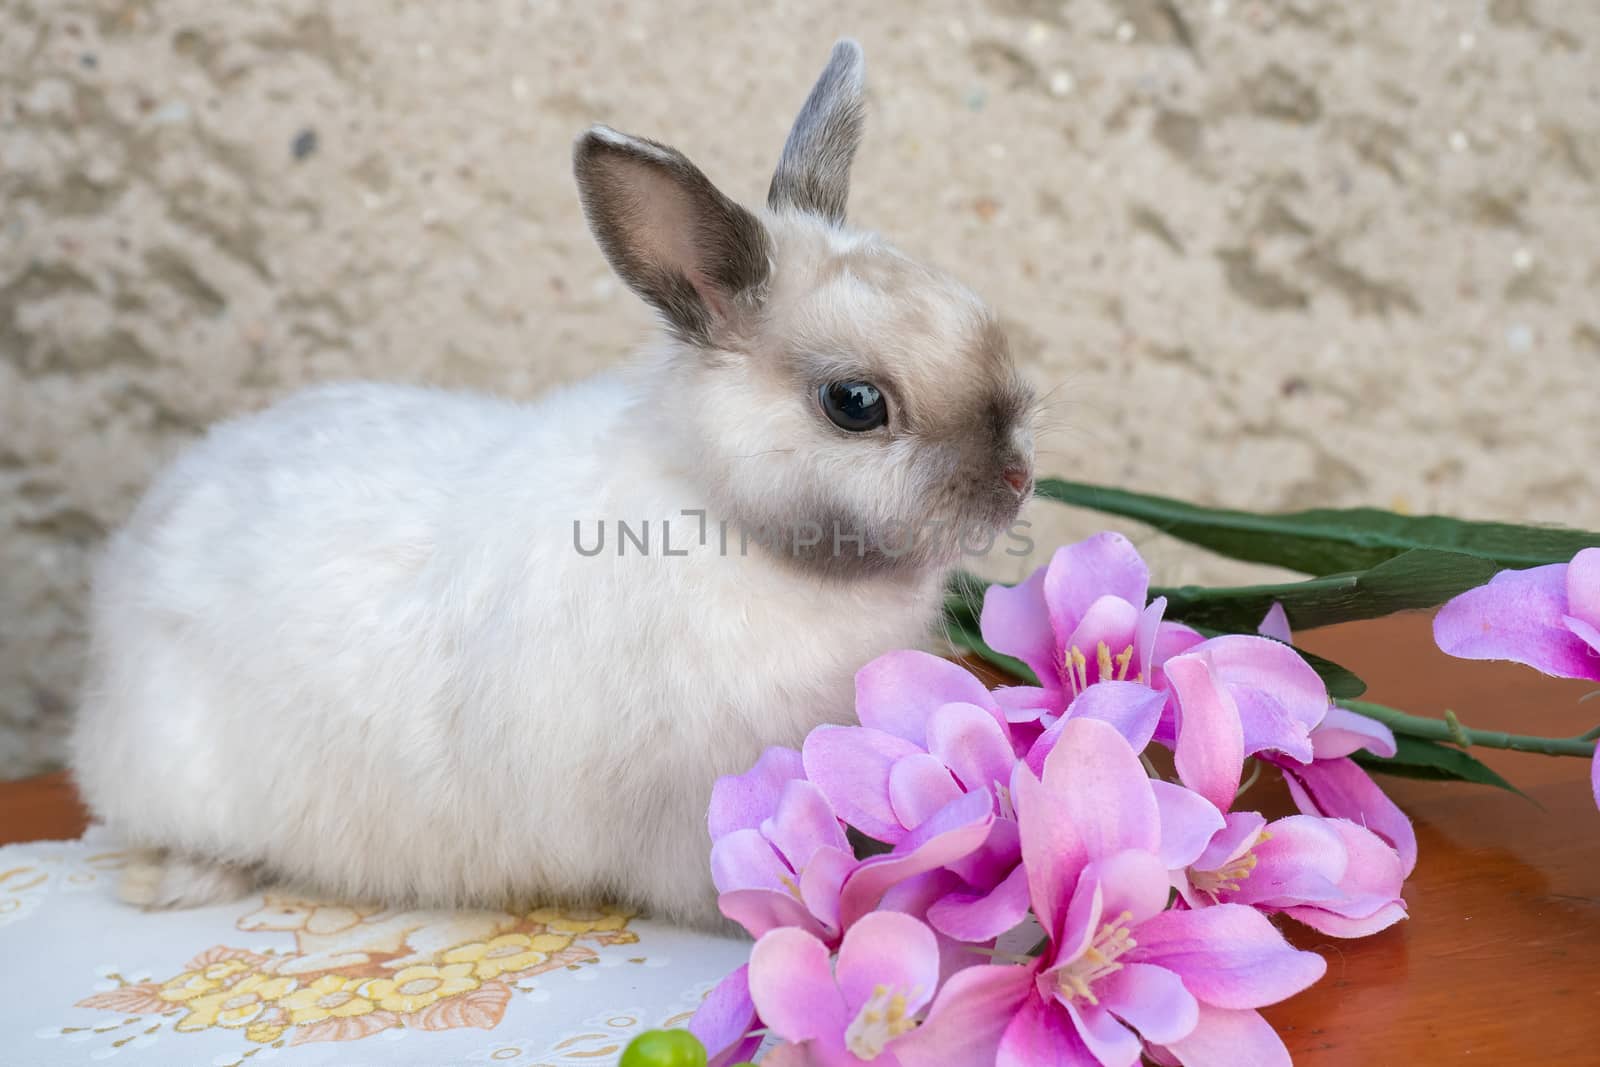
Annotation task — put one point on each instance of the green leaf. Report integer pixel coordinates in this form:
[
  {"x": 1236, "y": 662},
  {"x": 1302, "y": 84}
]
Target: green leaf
[
  {"x": 1417, "y": 758},
  {"x": 1327, "y": 540},
  {"x": 1420, "y": 578}
]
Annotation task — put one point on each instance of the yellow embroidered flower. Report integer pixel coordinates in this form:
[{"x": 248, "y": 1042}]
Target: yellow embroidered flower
[
  {"x": 191, "y": 984},
  {"x": 264, "y": 1033},
  {"x": 238, "y": 1005},
  {"x": 580, "y": 920},
  {"x": 331, "y": 996},
  {"x": 414, "y": 988},
  {"x": 508, "y": 952}
]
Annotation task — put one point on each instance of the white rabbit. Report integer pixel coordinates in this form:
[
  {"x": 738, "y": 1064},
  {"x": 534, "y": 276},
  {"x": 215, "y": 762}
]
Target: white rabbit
[{"x": 360, "y": 641}]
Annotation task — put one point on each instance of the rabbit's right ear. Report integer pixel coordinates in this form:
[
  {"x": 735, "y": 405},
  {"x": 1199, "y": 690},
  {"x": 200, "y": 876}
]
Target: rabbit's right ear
[
  {"x": 814, "y": 172},
  {"x": 668, "y": 232}
]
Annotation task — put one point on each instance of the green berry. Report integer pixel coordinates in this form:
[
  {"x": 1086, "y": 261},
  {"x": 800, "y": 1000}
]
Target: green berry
[{"x": 664, "y": 1048}]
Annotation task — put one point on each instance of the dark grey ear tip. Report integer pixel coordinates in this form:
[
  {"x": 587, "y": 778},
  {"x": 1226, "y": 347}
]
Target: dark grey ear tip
[{"x": 847, "y": 52}]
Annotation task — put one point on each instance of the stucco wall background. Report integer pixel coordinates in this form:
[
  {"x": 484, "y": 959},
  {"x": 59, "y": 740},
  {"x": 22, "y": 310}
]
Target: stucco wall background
[{"x": 1272, "y": 254}]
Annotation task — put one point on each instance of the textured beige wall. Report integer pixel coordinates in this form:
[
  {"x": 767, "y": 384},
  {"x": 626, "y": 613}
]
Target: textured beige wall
[{"x": 1273, "y": 254}]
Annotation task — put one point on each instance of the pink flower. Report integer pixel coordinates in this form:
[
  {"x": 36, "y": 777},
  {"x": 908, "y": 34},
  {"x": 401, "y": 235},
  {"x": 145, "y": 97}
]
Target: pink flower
[
  {"x": 1545, "y": 617},
  {"x": 1330, "y": 874},
  {"x": 1122, "y": 972},
  {"x": 932, "y": 736},
  {"x": 877, "y": 1004},
  {"x": 779, "y": 854},
  {"x": 1237, "y": 696},
  {"x": 726, "y": 1021},
  {"x": 1080, "y": 622},
  {"x": 1332, "y": 785}
]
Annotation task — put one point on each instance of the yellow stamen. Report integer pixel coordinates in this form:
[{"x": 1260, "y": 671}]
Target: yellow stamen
[
  {"x": 1124, "y": 658},
  {"x": 1102, "y": 660},
  {"x": 881, "y": 1019},
  {"x": 1080, "y": 669},
  {"x": 1227, "y": 878},
  {"x": 1076, "y": 979}
]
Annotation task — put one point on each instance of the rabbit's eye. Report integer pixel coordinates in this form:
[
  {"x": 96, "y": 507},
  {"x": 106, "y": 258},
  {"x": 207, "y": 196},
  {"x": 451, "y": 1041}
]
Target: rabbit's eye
[{"x": 854, "y": 406}]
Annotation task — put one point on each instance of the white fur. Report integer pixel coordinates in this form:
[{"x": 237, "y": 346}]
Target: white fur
[{"x": 349, "y": 640}]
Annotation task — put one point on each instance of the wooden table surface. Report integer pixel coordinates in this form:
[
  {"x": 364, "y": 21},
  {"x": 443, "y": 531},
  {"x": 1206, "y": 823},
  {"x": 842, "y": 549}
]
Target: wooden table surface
[{"x": 1499, "y": 963}]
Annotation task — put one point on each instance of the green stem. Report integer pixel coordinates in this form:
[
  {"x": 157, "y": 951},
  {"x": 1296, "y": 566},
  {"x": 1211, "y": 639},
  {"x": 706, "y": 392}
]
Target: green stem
[{"x": 1451, "y": 730}]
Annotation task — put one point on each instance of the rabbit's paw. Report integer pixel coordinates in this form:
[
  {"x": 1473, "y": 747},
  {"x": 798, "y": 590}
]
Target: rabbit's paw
[{"x": 158, "y": 880}]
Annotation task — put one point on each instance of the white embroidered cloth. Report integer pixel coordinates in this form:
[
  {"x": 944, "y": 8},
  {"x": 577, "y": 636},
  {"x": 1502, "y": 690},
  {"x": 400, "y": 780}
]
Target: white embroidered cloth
[{"x": 281, "y": 979}]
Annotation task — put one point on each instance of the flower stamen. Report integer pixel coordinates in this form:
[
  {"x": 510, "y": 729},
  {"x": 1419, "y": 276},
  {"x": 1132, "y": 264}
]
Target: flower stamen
[
  {"x": 1076, "y": 980},
  {"x": 1228, "y": 877},
  {"x": 881, "y": 1019},
  {"x": 1124, "y": 658}
]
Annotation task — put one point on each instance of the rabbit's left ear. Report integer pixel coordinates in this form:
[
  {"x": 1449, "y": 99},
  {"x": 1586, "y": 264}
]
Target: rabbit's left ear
[
  {"x": 814, "y": 173},
  {"x": 668, "y": 232}
]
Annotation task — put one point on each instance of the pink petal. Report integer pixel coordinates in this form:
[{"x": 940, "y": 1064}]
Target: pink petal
[
  {"x": 1373, "y": 876},
  {"x": 1152, "y": 1000},
  {"x": 822, "y": 883},
  {"x": 989, "y": 864},
  {"x": 1583, "y": 586},
  {"x": 919, "y": 785},
  {"x": 1106, "y": 564},
  {"x": 1079, "y": 924},
  {"x": 887, "y": 948},
  {"x": 1335, "y": 925},
  {"x": 792, "y": 986},
  {"x": 1132, "y": 882},
  {"x": 802, "y": 824},
  {"x": 1275, "y": 670},
  {"x": 1239, "y": 832},
  {"x": 1589, "y": 635},
  {"x": 1276, "y": 625},
  {"x": 1109, "y": 621},
  {"x": 1224, "y": 1038},
  {"x": 968, "y": 1018},
  {"x": 761, "y": 911},
  {"x": 1342, "y": 732},
  {"x": 1111, "y": 1043},
  {"x": 725, "y": 1017},
  {"x": 976, "y": 918},
  {"x": 1188, "y": 822},
  {"x": 1340, "y": 789},
  {"x": 1228, "y": 955},
  {"x": 972, "y": 744},
  {"x": 741, "y": 801},
  {"x": 1594, "y": 776},
  {"x": 1301, "y": 862},
  {"x": 1015, "y": 621},
  {"x": 1210, "y": 748},
  {"x": 897, "y": 691},
  {"x": 946, "y": 837},
  {"x": 1095, "y": 801},
  {"x": 1172, "y": 639},
  {"x": 1028, "y": 703},
  {"x": 850, "y": 764},
  {"x": 1518, "y": 617},
  {"x": 1133, "y": 708},
  {"x": 1146, "y": 638},
  {"x": 1043, "y": 1035},
  {"x": 1103, "y": 789},
  {"x": 1052, "y": 853},
  {"x": 744, "y": 859}
]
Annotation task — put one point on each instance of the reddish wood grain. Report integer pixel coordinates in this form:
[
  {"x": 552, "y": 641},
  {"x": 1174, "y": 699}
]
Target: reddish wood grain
[{"x": 1500, "y": 961}]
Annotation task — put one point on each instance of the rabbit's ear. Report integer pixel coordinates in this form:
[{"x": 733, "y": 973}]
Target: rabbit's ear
[
  {"x": 668, "y": 232},
  {"x": 814, "y": 173}
]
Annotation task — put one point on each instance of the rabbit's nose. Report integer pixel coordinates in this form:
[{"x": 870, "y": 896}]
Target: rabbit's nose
[{"x": 1019, "y": 478}]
